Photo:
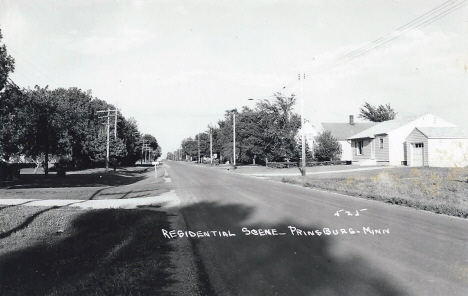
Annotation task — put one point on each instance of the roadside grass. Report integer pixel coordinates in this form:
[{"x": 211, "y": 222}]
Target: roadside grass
[
  {"x": 86, "y": 178},
  {"x": 89, "y": 184},
  {"x": 65, "y": 251},
  {"x": 439, "y": 190}
]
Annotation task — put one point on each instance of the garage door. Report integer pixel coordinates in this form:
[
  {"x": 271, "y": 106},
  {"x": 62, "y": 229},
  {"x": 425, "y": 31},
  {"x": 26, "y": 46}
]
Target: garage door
[{"x": 418, "y": 154}]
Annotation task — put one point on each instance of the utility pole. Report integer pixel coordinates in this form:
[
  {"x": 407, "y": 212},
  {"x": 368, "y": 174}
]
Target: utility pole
[
  {"x": 108, "y": 130},
  {"x": 234, "y": 136},
  {"x": 142, "y": 151},
  {"x": 147, "y": 152},
  {"x": 303, "y": 171},
  {"x": 211, "y": 146},
  {"x": 199, "y": 148}
]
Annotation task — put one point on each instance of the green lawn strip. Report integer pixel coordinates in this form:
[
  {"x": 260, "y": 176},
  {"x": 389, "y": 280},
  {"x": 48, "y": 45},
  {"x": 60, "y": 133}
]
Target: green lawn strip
[
  {"x": 439, "y": 190},
  {"x": 85, "y": 178},
  {"x": 140, "y": 182},
  {"x": 64, "y": 251}
]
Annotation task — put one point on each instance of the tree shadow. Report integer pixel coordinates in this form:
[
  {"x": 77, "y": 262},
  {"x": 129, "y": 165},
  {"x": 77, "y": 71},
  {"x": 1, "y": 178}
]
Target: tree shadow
[
  {"x": 104, "y": 252},
  {"x": 275, "y": 265},
  {"x": 29, "y": 181},
  {"x": 125, "y": 252}
]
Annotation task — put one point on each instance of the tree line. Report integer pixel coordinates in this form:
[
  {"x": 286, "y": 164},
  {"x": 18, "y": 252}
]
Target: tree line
[
  {"x": 37, "y": 123},
  {"x": 266, "y": 133}
]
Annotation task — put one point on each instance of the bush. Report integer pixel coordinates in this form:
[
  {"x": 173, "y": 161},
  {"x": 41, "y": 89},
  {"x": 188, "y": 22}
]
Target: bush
[
  {"x": 326, "y": 147},
  {"x": 282, "y": 165}
]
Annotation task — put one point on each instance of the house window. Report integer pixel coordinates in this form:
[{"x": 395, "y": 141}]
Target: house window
[
  {"x": 419, "y": 145},
  {"x": 359, "y": 145},
  {"x": 381, "y": 143}
]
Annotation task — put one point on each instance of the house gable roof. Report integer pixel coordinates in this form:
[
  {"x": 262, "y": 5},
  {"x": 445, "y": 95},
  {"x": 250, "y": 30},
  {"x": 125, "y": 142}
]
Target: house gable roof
[
  {"x": 444, "y": 132},
  {"x": 391, "y": 125},
  {"x": 342, "y": 131}
]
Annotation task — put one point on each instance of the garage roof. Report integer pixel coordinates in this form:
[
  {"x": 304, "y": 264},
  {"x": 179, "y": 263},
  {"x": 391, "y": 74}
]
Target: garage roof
[{"x": 444, "y": 132}]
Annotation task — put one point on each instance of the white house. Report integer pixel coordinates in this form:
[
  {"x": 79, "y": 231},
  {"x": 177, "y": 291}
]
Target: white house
[
  {"x": 437, "y": 147},
  {"x": 310, "y": 132},
  {"x": 385, "y": 143}
]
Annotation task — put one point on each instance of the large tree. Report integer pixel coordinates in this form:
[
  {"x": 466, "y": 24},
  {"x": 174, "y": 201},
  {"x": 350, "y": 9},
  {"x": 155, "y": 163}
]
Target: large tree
[
  {"x": 45, "y": 133},
  {"x": 377, "y": 113},
  {"x": 266, "y": 132},
  {"x": 13, "y": 114},
  {"x": 280, "y": 126},
  {"x": 7, "y": 63},
  {"x": 128, "y": 131}
]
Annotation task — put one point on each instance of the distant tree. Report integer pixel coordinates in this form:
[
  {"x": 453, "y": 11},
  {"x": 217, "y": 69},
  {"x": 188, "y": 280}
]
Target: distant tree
[
  {"x": 266, "y": 132},
  {"x": 377, "y": 114},
  {"x": 153, "y": 152},
  {"x": 189, "y": 148},
  {"x": 157, "y": 153},
  {"x": 151, "y": 140},
  {"x": 326, "y": 147},
  {"x": 7, "y": 64}
]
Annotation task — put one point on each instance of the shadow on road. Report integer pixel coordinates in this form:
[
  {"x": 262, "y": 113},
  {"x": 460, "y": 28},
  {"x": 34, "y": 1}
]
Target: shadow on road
[
  {"x": 124, "y": 252},
  {"x": 276, "y": 265}
]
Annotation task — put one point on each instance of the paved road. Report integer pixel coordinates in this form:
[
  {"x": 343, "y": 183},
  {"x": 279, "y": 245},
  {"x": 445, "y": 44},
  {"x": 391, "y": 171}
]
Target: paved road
[{"x": 416, "y": 253}]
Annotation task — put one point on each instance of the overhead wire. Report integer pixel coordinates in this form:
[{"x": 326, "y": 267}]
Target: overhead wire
[
  {"x": 417, "y": 23},
  {"x": 423, "y": 20},
  {"x": 37, "y": 71},
  {"x": 389, "y": 34}
]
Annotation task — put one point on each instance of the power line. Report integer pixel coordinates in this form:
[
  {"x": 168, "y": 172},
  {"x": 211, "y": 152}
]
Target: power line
[
  {"x": 421, "y": 21},
  {"x": 389, "y": 34},
  {"x": 37, "y": 70}
]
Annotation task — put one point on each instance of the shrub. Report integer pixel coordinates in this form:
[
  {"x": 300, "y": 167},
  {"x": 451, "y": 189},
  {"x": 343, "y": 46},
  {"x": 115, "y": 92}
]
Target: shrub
[{"x": 326, "y": 147}]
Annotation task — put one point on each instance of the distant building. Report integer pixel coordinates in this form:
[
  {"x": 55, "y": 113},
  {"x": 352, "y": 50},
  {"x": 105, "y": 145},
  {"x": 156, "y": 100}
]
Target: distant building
[{"x": 311, "y": 131}]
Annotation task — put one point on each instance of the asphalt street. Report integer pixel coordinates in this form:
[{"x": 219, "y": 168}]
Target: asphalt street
[{"x": 260, "y": 237}]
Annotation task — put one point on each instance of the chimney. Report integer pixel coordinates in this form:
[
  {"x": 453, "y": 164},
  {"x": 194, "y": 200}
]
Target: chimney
[{"x": 351, "y": 119}]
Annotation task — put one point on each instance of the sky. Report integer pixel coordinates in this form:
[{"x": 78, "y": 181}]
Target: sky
[{"x": 177, "y": 66}]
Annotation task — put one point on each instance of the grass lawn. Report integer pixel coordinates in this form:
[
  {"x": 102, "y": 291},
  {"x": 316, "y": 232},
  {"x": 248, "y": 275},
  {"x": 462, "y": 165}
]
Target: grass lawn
[
  {"x": 88, "y": 184},
  {"x": 68, "y": 251},
  {"x": 439, "y": 190},
  {"x": 65, "y": 251}
]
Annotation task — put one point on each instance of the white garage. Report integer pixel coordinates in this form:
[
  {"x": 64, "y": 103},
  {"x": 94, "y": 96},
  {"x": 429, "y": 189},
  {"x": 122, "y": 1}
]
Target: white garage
[{"x": 437, "y": 147}]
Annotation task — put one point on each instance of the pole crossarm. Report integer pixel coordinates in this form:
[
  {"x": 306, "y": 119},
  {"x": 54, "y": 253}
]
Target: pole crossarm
[{"x": 108, "y": 116}]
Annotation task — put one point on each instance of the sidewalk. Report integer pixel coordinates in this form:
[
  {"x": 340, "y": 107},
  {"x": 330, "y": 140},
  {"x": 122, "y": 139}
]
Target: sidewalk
[
  {"x": 163, "y": 201},
  {"x": 309, "y": 171},
  {"x": 261, "y": 171}
]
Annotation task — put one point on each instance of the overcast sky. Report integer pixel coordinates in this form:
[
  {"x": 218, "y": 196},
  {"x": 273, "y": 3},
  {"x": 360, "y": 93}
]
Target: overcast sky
[{"x": 176, "y": 66}]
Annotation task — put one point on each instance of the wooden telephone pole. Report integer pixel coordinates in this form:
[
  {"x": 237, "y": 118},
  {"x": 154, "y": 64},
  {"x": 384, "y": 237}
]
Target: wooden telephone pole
[{"x": 108, "y": 116}]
